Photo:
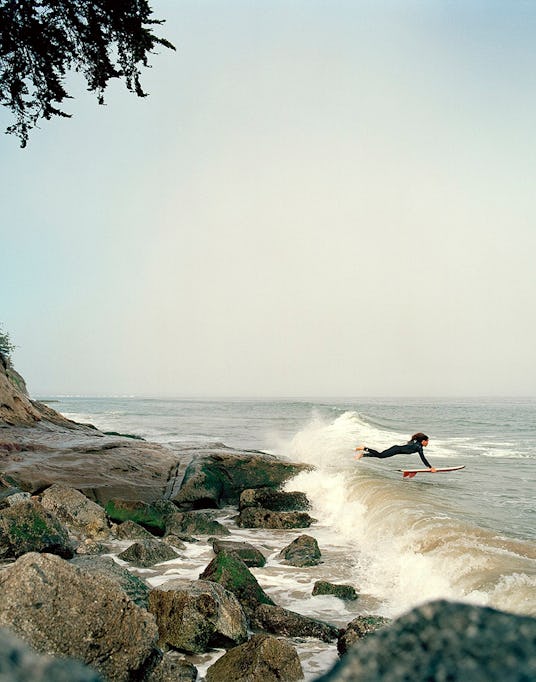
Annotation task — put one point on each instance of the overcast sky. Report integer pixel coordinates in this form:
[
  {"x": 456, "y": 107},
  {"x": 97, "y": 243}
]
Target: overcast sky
[{"x": 318, "y": 198}]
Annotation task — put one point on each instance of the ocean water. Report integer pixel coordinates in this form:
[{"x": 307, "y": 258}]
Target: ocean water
[{"x": 468, "y": 535}]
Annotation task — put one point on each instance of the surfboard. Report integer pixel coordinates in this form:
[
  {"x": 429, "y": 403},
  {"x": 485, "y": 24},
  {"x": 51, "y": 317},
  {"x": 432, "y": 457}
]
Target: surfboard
[{"x": 410, "y": 473}]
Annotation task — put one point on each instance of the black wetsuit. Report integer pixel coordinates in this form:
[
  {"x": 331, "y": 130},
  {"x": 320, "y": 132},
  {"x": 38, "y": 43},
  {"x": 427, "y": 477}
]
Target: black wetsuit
[{"x": 408, "y": 449}]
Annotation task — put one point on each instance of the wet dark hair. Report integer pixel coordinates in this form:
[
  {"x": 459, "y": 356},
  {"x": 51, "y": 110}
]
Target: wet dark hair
[{"x": 419, "y": 437}]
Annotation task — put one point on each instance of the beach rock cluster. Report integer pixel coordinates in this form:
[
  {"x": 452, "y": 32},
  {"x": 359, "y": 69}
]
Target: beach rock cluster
[{"x": 69, "y": 494}]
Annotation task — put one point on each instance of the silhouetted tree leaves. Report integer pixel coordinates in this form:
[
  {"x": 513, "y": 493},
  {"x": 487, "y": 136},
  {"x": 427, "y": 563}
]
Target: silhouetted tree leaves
[{"x": 41, "y": 40}]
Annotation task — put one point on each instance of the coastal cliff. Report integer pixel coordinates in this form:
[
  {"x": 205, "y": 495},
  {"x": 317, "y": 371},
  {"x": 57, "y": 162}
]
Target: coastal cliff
[{"x": 16, "y": 407}]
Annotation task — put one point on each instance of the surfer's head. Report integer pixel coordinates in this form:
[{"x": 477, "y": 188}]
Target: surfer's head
[{"x": 421, "y": 438}]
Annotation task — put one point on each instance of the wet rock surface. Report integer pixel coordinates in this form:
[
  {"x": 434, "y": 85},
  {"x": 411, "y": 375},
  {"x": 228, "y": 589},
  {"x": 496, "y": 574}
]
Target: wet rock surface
[
  {"x": 218, "y": 477},
  {"x": 76, "y": 511},
  {"x": 194, "y": 523},
  {"x": 357, "y": 629},
  {"x": 257, "y": 517},
  {"x": 133, "y": 586},
  {"x": 29, "y": 527},
  {"x": 280, "y": 621},
  {"x": 195, "y": 615},
  {"x": 444, "y": 641},
  {"x": 274, "y": 500},
  {"x": 263, "y": 658},
  {"x": 148, "y": 552},
  {"x": 345, "y": 592},
  {"x": 62, "y": 610},
  {"x": 303, "y": 551},
  {"x": 233, "y": 574},
  {"x": 249, "y": 554}
]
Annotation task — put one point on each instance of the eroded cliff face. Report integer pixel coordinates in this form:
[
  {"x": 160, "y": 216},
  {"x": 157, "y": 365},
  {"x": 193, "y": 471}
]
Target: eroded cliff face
[{"x": 16, "y": 408}]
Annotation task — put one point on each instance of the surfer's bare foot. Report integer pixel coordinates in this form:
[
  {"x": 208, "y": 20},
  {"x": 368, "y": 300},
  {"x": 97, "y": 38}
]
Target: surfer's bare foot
[{"x": 359, "y": 451}]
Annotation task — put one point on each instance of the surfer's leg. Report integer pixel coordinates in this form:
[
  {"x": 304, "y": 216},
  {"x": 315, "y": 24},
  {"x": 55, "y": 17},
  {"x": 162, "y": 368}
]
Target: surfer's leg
[
  {"x": 390, "y": 452},
  {"x": 369, "y": 452}
]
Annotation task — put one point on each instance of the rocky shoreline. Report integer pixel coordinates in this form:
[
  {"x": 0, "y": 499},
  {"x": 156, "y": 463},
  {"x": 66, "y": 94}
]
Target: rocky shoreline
[{"x": 125, "y": 560}]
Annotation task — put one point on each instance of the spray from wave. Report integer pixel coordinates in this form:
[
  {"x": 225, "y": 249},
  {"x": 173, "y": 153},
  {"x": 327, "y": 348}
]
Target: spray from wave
[{"x": 409, "y": 543}]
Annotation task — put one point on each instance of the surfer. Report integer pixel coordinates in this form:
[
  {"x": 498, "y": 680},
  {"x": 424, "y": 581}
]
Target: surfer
[{"x": 415, "y": 444}]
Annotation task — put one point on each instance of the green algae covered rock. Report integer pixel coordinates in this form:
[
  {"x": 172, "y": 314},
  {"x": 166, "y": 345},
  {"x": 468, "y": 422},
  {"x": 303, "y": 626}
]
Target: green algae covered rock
[
  {"x": 151, "y": 515},
  {"x": 29, "y": 527},
  {"x": 233, "y": 574},
  {"x": 346, "y": 592},
  {"x": 218, "y": 477}
]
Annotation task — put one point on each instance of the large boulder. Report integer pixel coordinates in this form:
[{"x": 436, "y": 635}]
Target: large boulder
[
  {"x": 62, "y": 610},
  {"x": 81, "y": 515},
  {"x": 279, "y": 621},
  {"x": 357, "y": 629},
  {"x": 133, "y": 586},
  {"x": 263, "y": 658},
  {"x": 148, "y": 552},
  {"x": 29, "y": 527},
  {"x": 195, "y": 615},
  {"x": 303, "y": 551},
  {"x": 217, "y": 478},
  {"x": 444, "y": 641},
  {"x": 249, "y": 554},
  {"x": 19, "y": 663},
  {"x": 275, "y": 500},
  {"x": 256, "y": 517},
  {"x": 233, "y": 574}
]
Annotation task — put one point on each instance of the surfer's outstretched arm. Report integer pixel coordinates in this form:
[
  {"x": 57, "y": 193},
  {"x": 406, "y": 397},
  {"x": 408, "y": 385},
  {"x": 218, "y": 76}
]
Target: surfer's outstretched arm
[{"x": 425, "y": 461}]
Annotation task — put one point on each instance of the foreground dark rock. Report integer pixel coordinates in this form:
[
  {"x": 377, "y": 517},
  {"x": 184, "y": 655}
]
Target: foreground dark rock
[
  {"x": 444, "y": 641},
  {"x": 20, "y": 663},
  {"x": 249, "y": 554},
  {"x": 262, "y": 658},
  {"x": 195, "y": 615},
  {"x": 303, "y": 551},
  {"x": 134, "y": 587},
  {"x": 274, "y": 500},
  {"x": 76, "y": 511},
  {"x": 357, "y": 629},
  {"x": 346, "y": 592},
  {"x": 233, "y": 574},
  {"x": 148, "y": 552},
  {"x": 29, "y": 527},
  {"x": 218, "y": 477},
  {"x": 62, "y": 610},
  {"x": 256, "y": 517},
  {"x": 279, "y": 621}
]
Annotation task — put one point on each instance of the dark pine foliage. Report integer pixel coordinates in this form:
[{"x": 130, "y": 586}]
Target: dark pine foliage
[{"x": 41, "y": 40}]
